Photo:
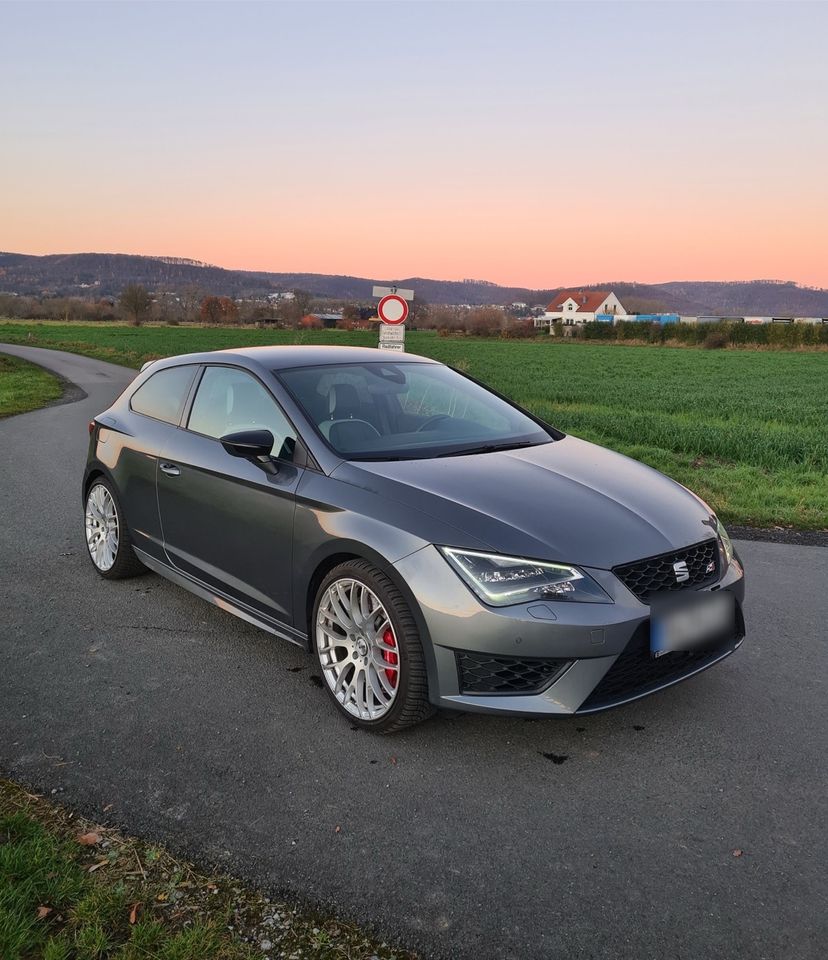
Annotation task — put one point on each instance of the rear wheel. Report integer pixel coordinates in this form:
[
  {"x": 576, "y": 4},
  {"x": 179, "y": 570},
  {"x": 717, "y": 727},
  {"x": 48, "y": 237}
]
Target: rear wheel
[
  {"x": 369, "y": 649},
  {"x": 107, "y": 538}
]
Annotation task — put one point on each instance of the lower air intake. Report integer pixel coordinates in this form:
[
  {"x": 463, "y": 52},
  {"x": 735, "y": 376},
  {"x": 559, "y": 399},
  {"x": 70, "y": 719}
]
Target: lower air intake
[{"x": 482, "y": 673}]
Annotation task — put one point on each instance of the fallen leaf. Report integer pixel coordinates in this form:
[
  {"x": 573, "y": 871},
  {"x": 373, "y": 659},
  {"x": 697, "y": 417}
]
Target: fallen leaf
[
  {"x": 161, "y": 897},
  {"x": 108, "y": 807},
  {"x": 338, "y": 829},
  {"x": 98, "y": 865},
  {"x": 394, "y": 761},
  {"x": 43, "y": 912},
  {"x": 737, "y": 853},
  {"x": 89, "y": 839},
  {"x": 133, "y": 913}
]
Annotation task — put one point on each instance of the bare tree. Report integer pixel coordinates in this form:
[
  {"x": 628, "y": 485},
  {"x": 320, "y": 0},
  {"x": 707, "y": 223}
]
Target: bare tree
[
  {"x": 446, "y": 318},
  {"x": 219, "y": 310},
  {"x": 290, "y": 312},
  {"x": 302, "y": 299},
  {"x": 418, "y": 313},
  {"x": 485, "y": 321},
  {"x": 135, "y": 301},
  {"x": 190, "y": 299}
]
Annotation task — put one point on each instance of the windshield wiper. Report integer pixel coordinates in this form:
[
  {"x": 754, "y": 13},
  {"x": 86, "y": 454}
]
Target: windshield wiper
[
  {"x": 487, "y": 448},
  {"x": 369, "y": 459},
  {"x": 423, "y": 455}
]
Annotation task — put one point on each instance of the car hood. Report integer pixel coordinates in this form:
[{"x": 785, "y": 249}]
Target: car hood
[{"x": 568, "y": 500}]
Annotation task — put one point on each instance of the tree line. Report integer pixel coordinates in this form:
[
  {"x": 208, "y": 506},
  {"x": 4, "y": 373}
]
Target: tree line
[{"x": 137, "y": 305}]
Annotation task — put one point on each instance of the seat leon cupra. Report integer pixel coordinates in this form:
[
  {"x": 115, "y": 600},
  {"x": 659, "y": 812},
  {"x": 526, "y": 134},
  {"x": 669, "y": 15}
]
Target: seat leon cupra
[{"x": 430, "y": 543}]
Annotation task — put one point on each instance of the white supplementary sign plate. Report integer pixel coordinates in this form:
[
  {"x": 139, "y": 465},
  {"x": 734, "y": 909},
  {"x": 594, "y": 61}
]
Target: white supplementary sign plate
[
  {"x": 391, "y": 345},
  {"x": 386, "y": 291},
  {"x": 392, "y": 332}
]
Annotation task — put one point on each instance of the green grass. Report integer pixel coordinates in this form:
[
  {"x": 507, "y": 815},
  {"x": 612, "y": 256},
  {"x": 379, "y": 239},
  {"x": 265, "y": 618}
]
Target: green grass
[
  {"x": 72, "y": 890},
  {"x": 51, "y": 907},
  {"x": 23, "y": 386},
  {"x": 746, "y": 429}
]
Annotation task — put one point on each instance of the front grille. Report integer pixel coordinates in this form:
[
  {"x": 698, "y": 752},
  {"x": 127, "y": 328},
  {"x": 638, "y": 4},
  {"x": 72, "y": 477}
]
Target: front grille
[
  {"x": 636, "y": 672},
  {"x": 482, "y": 673},
  {"x": 658, "y": 574}
]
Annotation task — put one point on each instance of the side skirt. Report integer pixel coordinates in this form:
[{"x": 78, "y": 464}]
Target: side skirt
[{"x": 220, "y": 600}]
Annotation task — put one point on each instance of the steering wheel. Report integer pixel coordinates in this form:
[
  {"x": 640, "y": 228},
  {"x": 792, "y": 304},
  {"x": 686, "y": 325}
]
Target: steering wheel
[
  {"x": 327, "y": 425},
  {"x": 431, "y": 420}
]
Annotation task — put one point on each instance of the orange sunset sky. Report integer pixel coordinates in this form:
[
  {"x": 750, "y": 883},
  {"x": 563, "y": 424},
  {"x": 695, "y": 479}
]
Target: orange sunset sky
[{"x": 532, "y": 144}]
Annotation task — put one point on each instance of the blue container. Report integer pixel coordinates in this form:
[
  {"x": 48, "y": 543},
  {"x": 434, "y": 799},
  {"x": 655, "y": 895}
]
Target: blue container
[{"x": 657, "y": 318}]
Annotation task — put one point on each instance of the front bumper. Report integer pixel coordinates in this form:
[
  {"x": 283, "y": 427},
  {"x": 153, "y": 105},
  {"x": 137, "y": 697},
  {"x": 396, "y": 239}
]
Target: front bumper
[{"x": 584, "y": 657}]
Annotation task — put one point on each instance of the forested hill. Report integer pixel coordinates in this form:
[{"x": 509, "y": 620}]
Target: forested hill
[{"x": 97, "y": 275}]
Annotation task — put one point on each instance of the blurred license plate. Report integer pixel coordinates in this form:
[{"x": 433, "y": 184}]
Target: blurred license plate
[{"x": 691, "y": 621}]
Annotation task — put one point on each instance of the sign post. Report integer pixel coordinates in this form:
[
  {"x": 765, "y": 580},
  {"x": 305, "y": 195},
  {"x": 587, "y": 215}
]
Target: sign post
[{"x": 392, "y": 311}]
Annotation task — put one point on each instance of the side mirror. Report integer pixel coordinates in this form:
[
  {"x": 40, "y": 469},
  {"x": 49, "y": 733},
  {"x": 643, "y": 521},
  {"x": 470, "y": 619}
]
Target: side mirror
[{"x": 251, "y": 445}]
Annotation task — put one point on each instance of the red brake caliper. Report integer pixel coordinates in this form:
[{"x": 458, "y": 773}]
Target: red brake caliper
[{"x": 388, "y": 656}]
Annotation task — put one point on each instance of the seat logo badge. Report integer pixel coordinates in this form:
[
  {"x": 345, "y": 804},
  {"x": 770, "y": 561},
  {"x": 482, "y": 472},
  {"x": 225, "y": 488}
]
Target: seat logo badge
[
  {"x": 681, "y": 571},
  {"x": 710, "y": 567}
]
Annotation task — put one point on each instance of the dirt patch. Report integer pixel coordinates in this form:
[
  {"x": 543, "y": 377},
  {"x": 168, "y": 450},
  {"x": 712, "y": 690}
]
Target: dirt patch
[{"x": 799, "y": 538}]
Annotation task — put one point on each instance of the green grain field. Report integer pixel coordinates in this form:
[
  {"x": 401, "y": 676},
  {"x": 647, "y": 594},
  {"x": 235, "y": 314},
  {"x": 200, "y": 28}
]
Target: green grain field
[{"x": 746, "y": 429}]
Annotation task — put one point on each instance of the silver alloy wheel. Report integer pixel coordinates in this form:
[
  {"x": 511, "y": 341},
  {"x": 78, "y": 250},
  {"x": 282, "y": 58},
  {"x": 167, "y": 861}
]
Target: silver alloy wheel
[
  {"x": 357, "y": 649},
  {"x": 101, "y": 527}
]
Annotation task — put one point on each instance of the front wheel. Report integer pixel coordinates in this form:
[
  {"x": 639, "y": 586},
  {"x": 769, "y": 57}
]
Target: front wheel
[
  {"x": 107, "y": 537},
  {"x": 369, "y": 649}
]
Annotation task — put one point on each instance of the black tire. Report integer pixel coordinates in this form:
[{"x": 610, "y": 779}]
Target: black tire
[
  {"x": 126, "y": 562},
  {"x": 411, "y": 704}
]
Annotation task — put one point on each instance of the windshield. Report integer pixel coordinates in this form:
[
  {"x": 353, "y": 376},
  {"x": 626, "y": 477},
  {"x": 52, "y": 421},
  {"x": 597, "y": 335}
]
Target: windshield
[{"x": 397, "y": 411}]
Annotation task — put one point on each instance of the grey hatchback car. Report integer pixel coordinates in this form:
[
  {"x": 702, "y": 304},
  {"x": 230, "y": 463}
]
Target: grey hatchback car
[{"x": 428, "y": 541}]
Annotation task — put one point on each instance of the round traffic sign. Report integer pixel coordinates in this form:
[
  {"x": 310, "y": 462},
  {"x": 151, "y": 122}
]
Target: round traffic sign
[{"x": 392, "y": 309}]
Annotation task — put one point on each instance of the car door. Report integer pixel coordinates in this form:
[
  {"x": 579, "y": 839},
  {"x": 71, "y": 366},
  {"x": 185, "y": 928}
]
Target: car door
[
  {"x": 131, "y": 448},
  {"x": 226, "y": 521}
]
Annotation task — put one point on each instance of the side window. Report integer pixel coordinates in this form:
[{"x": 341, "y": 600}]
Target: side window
[
  {"x": 229, "y": 400},
  {"x": 162, "y": 396}
]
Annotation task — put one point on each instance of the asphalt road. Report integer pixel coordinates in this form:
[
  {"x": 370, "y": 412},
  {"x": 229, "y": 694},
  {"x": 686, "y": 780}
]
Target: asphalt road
[{"x": 469, "y": 837}]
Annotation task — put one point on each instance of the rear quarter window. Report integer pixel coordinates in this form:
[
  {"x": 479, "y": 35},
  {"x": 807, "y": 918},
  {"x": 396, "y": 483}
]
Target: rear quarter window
[{"x": 162, "y": 397}]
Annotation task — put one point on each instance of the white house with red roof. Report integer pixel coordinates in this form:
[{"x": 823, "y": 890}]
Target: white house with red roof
[{"x": 580, "y": 306}]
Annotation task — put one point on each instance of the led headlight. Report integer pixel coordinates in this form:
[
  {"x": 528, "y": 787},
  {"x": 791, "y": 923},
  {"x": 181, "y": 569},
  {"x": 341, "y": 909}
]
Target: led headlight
[
  {"x": 501, "y": 581},
  {"x": 725, "y": 545}
]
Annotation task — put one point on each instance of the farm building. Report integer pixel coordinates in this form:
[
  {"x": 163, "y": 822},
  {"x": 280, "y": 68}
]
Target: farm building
[
  {"x": 326, "y": 320},
  {"x": 580, "y": 306}
]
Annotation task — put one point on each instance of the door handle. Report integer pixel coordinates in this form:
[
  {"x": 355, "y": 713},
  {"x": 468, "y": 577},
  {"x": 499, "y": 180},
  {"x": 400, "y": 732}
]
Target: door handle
[{"x": 170, "y": 469}]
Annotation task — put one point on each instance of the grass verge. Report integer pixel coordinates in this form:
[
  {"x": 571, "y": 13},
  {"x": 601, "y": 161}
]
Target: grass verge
[
  {"x": 24, "y": 386},
  {"x": 745, "y": 429},
  {"x": 71, "y": 889}
]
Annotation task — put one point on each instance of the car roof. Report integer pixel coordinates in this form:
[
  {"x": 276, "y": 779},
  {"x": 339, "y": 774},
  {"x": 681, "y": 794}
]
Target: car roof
[{"x": 296, "y": 355}]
